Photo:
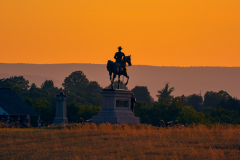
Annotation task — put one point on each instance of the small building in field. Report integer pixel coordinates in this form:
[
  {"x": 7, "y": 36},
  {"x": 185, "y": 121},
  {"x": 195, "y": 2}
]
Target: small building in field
[{"x": 13, "y": 108}]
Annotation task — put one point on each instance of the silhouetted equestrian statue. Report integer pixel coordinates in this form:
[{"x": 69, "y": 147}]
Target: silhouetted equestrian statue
[{"x": 119, "y": 67}]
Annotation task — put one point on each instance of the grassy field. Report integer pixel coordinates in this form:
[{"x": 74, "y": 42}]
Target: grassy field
[{"x": 106, "y": 141}]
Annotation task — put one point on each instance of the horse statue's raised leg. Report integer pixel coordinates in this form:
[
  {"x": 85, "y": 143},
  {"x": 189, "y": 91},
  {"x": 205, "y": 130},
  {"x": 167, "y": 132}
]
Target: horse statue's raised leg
[
  {"x": 127, "y": 79},
  {"x": 126, "y": 75}
]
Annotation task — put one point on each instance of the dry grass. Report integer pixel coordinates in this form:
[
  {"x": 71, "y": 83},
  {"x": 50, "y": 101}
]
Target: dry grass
[{"x": 106, "y": 141}]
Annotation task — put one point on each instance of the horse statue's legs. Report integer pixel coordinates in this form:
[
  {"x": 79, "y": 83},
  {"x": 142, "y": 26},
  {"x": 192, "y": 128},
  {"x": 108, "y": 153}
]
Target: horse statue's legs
[
  {"x": 126, "y": 75},
  {"x": 112, "y": 85},
  {"x": 118, "y": 81},
  {"x": 127, "y": 79},
  {"x": 114, "y": 76},
  {"x": 110, "y": 74}
]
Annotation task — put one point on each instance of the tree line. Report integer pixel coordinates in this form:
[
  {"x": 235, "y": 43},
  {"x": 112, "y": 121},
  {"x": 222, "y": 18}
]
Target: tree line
[
  {"x": 84, "y": 100},
  {"x": 213, "y": 107},
  {"x": 83, "y": 96}
]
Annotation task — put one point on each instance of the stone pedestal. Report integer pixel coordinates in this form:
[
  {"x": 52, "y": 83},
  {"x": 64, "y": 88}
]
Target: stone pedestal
[
  {"x": 116, "y": 108},
  {"x": 61, "y": 111}
]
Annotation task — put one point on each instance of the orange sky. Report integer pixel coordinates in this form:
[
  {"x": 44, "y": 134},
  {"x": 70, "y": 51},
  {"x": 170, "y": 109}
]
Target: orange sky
[{"x": 154, "y": 32}]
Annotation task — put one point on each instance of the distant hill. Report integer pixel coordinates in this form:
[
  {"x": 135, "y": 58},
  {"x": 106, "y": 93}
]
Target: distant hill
[{"x": 186, "y": 80}]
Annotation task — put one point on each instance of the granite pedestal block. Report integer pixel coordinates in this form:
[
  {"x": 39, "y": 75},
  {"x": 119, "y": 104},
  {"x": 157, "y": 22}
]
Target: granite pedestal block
[{"x": 116, "y": 108}]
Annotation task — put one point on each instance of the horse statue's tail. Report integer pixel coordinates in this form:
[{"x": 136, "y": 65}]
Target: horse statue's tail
[{"x": 109, "y": 64}]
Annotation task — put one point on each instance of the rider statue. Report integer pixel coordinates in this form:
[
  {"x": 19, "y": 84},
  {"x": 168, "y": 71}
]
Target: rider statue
[
  {"x": 119, "y": 57},
  {"x": 119, "y": 67}
]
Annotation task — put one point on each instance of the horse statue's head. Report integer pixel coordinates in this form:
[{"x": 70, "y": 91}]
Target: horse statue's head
[{"x": 128, "y": 60}]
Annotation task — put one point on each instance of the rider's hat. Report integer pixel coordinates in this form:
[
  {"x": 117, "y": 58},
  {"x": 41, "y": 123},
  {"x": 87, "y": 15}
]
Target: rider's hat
[{"x": 119, "y": 47}]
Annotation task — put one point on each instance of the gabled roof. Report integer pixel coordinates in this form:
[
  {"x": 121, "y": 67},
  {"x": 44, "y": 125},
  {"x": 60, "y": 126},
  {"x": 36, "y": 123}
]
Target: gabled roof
[{"x": 13, "y": 104}]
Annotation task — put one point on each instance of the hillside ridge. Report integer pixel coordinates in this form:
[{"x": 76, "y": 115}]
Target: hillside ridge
[{"x": 186, "y": 80}]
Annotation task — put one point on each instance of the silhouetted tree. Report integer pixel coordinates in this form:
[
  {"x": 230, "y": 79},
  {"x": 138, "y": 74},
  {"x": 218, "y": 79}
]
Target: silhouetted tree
[
  {"x": 221, "y": 115},
  {"x": 196, "y": 101},
  {"x": 17, "y": 83},
  {"x": 33, "y": 86},
  {"x": 165, "y": 92},
  {"x": 141, "y": 94},
  {"x": 94, "y": 98},
  {"x": 75, "y": 82},
  {"x": 44, "y": 109},
  {"x": 213, "y": 99},
  {"x": 49, "y": 85},
  {"x": 21, "y": 81},
  {"x": 93, "y": 87},
  {"x": 16, "y": 80},
  {"x": 183, "y": 99},
  {"x": 73, "y": 112},
  {"x": 188, "y": 116}
]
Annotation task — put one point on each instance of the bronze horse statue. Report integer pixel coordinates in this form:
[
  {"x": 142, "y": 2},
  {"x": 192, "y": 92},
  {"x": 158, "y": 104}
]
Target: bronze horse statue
[{"x": 116, "y": 69}]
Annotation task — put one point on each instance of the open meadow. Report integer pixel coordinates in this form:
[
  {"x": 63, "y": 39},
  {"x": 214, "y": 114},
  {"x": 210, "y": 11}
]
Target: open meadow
[{"x": 107, "y": 141}]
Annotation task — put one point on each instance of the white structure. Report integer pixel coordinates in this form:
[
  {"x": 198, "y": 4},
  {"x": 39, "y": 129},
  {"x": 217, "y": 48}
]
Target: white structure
[
  {"x": 116, "y": 108},
  {"x": 61, "y": 110}
]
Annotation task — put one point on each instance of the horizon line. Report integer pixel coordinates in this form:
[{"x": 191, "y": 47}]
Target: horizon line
[{"x": 104, "y": 64}]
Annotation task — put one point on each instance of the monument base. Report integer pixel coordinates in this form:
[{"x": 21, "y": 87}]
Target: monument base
[
  {"x": 116, "y": 108},
  {"x": 60, "y": 122},
  {"x": 116, "y": 117}
]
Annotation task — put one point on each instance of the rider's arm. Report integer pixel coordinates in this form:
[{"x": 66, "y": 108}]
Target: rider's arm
[{"x": 123, "y": 56}]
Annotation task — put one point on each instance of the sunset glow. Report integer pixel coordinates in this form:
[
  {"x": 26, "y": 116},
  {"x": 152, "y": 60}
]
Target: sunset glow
[{"x": 154, "y": 32}]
